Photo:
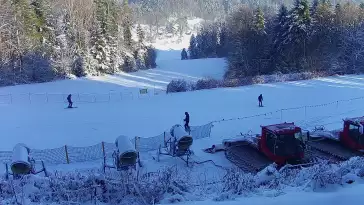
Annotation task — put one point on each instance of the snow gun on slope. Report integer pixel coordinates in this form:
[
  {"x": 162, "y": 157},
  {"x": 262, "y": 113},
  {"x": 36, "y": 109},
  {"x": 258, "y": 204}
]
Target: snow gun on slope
[
  {"x": 177, "y": 143},
  {"x": 340, "y": 144},
  {"x": 22, "y": 163},
  {"x": 125, "y": 156}
]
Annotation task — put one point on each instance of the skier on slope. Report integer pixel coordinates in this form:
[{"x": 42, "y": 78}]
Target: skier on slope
[
  {"x": 260, "y": 99},
  {"x": 70, "y": 103},
  {"x": 187, "y": 121}
]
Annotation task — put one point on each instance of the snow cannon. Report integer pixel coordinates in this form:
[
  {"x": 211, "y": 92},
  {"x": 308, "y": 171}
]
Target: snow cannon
[
  {"x": 183, "y": 140},
  {"x": 21, "y": 163},
  {"x": 126, "y": 154}
]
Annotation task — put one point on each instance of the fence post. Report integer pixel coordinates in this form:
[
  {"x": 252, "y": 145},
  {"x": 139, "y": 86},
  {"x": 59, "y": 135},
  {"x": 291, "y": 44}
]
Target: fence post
[
  {"x": 11, "y": 98},
  {"x": 282, "y": 115},
  {"x": 305, "y": 112},
  {"x": 137, "y": 148},
  {"x": 103, "y": 148},
  {"x": 47, "y": 97},
  {"x": 66, "y": 150},
  {"x": 95, "y": 193},
  {"x": 136, "y": 143},
  {"x": 109, "y": 96},
  {"x": 121, "y": 96}
]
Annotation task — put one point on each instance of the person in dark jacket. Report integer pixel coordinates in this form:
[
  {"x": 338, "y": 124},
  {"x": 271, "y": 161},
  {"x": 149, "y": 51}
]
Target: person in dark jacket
[
  {"x": 184, "y": 55},
  {"x": 187, "y": 121},
  {"x": 260, "y": 99},
  {"x": 70, "y": 103}
]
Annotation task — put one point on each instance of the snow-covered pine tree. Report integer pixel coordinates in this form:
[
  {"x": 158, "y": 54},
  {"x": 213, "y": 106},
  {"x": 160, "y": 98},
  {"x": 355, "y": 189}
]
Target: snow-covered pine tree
[
  {"x": 280, "y": 28},
  {"x": 129, "y": 63},
  {"x": 222, "y": 47},
  {"x": 259, "y": 45},
  {"x": 141, "y": 36},
  {"x": 322, "y": 46},
  {"x": 259, "y": 22},
  {"x": 63, "y": 51},
  {"x": 112, "y": 32},
  {"x": 192, "y": 49},
  {"x": 150, "y": 57},
  {"x": 182, "y": 25},
  {"x": 279, "y": 48},
  {"x": 338, "y": 15},
  {"x": 39, "y": 70},
  {"x": 127, "y": 24},
  {"x": 103, "y": 40},
  {"x": 201, "y": 41},
  {"x": 313, "y": 7},
  {"x": 207, "y": 40},
  {"x": 299, "y": 25},
  {"x": 240, "y": 26},
  {"x": 24, "y": 38}
]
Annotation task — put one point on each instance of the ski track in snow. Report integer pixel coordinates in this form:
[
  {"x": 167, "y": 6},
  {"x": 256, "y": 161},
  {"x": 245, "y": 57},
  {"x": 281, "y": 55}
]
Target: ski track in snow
[{"x": 48, "y": 125}]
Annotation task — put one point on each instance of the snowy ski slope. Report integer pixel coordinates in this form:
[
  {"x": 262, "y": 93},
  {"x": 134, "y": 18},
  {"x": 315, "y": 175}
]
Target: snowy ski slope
[{"x": 43, "y": 125}]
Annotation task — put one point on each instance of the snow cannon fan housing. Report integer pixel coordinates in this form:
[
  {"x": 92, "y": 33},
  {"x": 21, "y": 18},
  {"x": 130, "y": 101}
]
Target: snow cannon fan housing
[
  {"x": 21, "y": 162},
  {"x": 183, "y": 139},
  {"x": 126, "y": 152}
]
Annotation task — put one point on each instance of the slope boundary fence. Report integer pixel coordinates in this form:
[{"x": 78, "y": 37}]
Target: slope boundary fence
[
  {"x": 305, "y": 111},
  {"x": 44, "y": 98},
  {"x": 69, "y": 154}
]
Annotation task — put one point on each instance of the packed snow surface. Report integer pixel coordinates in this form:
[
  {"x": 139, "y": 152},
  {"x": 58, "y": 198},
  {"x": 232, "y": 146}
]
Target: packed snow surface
[{"x": 48, "y": 125}]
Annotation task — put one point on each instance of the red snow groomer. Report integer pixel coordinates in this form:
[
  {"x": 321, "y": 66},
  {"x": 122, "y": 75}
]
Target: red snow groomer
[
  {"x": 342, "y": 144},
  {"x": 280, "y": 143},
  {"x": 352, "y": 134}
]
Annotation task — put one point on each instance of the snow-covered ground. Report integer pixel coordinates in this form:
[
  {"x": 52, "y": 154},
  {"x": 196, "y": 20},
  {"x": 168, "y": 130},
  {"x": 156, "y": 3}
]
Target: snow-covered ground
[
  {"x": 348, "y": 195},
  {"x": 110, "y": 106},
  {"x": 48, "y": 125}
]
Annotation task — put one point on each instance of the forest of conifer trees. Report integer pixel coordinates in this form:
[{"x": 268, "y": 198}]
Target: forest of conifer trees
[
  {"x": 43, "y": 40},
  {"x": 312, "y": 36}
]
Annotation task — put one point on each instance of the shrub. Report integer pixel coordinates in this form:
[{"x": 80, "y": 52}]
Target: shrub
[
  {"x": 150, "y": 57},
  {"x": 231, "y": 83},
  {"x": 325, "y": 175},
  {"x": 207, "y": 84},
  {"x": 238, "y": 182},
  {"x": 258, "y": 80},
  {"x": 176, "y": 86}
]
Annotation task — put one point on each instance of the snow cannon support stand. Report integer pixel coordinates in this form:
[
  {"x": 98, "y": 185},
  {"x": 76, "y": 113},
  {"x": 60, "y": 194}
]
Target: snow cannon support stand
[
  {"x": 22, "y": 163},
  {"x": 177, "y": 143},
  {"x": 126, "y": 156}
]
